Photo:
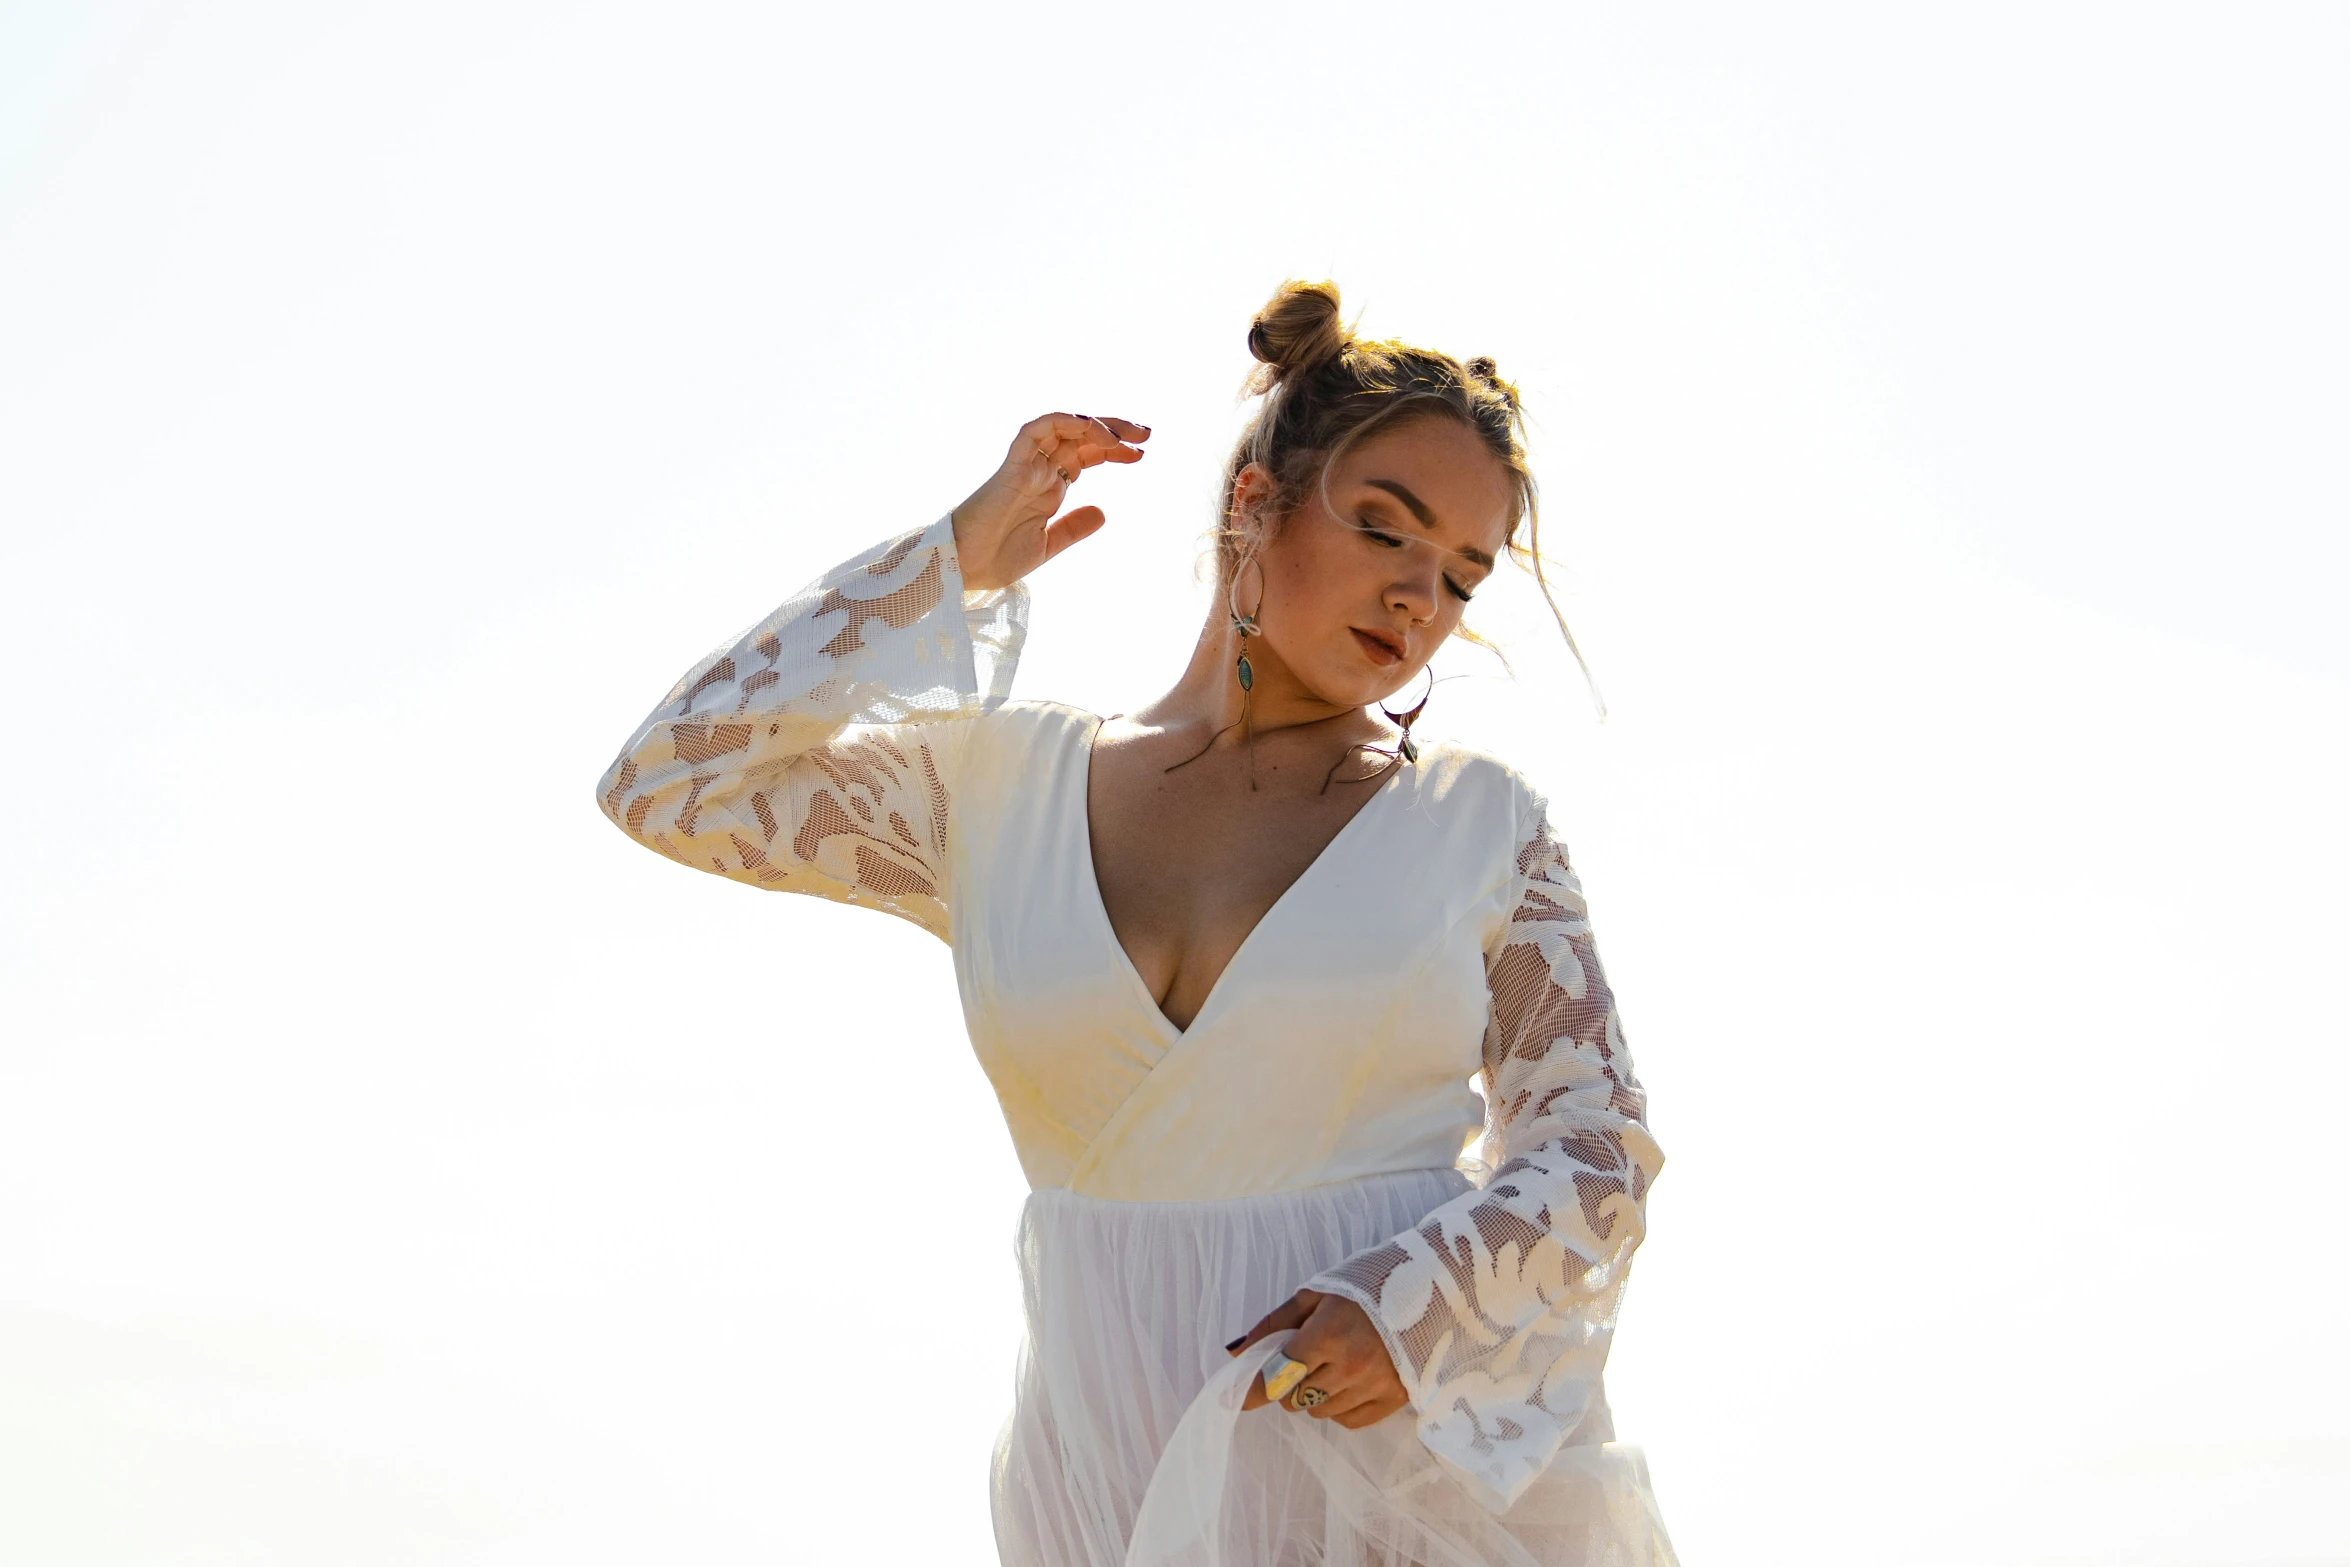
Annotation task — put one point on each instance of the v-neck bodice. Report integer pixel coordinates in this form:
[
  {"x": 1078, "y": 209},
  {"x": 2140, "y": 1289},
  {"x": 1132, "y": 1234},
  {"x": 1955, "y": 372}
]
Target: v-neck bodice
[
  {"x": 1270, "y": 916},
  {"x": 1339, "y": 1039}
]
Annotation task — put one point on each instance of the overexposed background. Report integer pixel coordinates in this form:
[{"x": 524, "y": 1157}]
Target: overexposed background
[{"x": 1942, "y": 414}]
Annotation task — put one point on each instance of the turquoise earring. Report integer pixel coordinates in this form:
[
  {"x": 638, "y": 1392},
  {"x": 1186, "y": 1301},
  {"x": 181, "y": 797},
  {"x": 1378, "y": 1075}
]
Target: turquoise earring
[
  {"x": 1406, "y": 748},
  {"x": 1243, "y": 627}
]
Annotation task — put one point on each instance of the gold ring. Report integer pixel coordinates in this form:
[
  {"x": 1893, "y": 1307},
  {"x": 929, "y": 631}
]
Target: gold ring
[
  {"x": 1282, "y": 1374},
  {"x": 1311, "y": 1397},
  {"x": 1064, "y": 473}
]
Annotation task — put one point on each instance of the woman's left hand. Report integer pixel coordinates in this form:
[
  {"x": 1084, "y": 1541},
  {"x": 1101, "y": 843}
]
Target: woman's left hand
[{"x": 1343, "y": 1356}]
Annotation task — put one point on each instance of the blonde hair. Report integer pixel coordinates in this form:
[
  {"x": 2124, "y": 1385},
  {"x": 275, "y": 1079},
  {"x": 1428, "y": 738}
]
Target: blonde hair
[{"x": 1322, "y": 389}]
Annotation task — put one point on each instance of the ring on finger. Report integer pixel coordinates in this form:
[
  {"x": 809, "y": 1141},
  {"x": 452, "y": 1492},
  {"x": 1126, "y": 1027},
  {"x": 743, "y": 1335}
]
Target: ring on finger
[
  {"x": 1064, "y": 473},
  {"x": 1311, "y": 1398},
  {"x": 1282, "y": 1374}
]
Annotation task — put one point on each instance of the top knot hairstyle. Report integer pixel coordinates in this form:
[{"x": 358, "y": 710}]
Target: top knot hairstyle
[{"x": 1323, "y": 389}]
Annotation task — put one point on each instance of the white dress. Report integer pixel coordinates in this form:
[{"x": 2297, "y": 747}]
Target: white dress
[{"x": 1307, "y": 1129}]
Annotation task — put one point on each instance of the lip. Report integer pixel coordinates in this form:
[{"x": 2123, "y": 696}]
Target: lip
[{"x": 1384, "y": 648}]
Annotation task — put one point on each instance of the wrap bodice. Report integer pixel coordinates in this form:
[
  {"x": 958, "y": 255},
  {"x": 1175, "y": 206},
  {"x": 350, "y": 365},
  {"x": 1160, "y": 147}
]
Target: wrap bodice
[{"x": 1339, "y": 1041}]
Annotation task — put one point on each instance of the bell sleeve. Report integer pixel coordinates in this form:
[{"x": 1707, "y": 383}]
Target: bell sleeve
[
  {"x": 1498, "y": 1308},
  {"x": 819, "y": 752}
]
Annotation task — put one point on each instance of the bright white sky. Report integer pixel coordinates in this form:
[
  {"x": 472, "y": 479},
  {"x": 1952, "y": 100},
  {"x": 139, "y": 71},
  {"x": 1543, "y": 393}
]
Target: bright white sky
[{"x": 1942, "y": 420}]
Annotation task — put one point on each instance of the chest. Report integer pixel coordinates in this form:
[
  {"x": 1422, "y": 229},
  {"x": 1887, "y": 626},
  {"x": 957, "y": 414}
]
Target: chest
[
  {"x": 1147, "y": 1006},
  {"x": 1189, "y": 862}
]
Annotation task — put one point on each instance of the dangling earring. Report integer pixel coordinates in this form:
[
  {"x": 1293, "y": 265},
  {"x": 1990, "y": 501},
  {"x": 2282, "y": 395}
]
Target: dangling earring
[
  {"x": 1404, "y": 721},
  {"x": 1243, "y": 627},
  {"x": 1406, "y": 750}
]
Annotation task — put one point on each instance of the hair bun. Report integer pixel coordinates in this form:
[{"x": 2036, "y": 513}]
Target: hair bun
[
  {"x": 1484, "y": 369},
  {"x": 1297, "y": 330}
]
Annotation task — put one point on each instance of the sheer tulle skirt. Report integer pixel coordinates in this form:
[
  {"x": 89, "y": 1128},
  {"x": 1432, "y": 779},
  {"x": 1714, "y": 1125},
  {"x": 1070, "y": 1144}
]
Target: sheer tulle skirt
[{"x": 1128, "y": 1435}]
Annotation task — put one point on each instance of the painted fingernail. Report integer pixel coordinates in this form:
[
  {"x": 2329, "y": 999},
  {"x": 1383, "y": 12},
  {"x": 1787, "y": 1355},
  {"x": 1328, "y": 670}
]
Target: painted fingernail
[{"x": 1235, "y": 1344}]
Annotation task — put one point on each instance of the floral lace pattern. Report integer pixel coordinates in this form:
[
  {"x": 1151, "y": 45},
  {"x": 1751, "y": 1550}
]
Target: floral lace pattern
[
  {"x": 821, "y": 753},
  {"x": 1498, "y": 1307},
  {"x": 811, "y": 755}
]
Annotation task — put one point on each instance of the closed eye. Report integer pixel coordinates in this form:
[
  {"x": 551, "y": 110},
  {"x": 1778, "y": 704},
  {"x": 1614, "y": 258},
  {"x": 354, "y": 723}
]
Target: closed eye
[{"x": 1394, "y": 542}]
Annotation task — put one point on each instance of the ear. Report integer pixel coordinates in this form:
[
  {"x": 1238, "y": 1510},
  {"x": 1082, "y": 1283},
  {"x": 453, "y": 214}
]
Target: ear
[{"x": 1252, "y": 496}]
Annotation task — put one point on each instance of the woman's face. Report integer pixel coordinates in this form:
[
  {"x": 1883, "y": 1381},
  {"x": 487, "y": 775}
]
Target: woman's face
[{"x": 1367, "y": 578}]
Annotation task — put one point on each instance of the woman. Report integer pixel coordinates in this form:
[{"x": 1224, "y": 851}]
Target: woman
[{"x": 1229, "y": 963}]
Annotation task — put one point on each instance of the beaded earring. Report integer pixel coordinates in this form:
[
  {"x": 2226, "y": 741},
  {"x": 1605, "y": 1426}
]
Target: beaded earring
[
  {"x": 1404, "y": 721},
  {"x": 1243, "y": 627},
  {"x": 1405, "y": 750}
]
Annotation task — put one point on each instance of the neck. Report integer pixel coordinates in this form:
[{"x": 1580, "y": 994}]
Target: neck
[{"x": 1208, "y": 696}]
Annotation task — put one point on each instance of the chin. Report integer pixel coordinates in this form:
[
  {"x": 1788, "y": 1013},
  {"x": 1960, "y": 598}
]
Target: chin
[{"x": 1358, "y": 687}]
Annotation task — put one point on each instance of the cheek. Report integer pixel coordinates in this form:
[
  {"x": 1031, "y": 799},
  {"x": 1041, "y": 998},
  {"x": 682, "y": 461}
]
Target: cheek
[{"x": 1319, "y": 576}]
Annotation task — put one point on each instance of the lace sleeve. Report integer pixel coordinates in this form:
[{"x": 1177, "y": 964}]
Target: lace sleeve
[
  {"x": 817, "y": 754},
  {"x": 1499, "y": 1306}
]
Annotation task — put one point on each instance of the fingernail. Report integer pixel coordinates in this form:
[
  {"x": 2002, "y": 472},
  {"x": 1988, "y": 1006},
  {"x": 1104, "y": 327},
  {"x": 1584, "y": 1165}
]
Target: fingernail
[{"x": 1235, "y": 1344}]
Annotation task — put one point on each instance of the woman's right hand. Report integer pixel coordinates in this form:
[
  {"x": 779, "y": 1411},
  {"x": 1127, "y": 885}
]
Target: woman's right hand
[{"x": 1007, "y": 529}]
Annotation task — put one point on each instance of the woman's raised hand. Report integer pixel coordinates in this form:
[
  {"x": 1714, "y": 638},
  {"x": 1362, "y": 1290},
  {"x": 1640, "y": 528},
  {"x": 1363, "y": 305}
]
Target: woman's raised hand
[
  {"x": 1343, "y": 1356},
  {"x": 1007, "y": 528}
]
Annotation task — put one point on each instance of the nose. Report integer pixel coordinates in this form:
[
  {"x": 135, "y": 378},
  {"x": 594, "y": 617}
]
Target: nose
[{"x": 1413, "y": 589}]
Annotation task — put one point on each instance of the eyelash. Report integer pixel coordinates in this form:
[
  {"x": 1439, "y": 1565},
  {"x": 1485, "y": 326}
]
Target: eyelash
[{"x": 1394, "y": 543}]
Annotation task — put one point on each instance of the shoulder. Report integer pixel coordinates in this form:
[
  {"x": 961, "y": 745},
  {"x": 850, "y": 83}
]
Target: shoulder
[
  {"x": 1013, "y": 739},
  {"x": 1480, "y": 810},
  {"x": 1030, "y": 721},
  {"x": 1456, "y": 777}
]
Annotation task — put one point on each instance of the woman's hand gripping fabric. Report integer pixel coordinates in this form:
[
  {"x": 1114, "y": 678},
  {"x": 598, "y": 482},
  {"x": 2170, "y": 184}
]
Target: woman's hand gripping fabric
[{"x": 1343, "y": 1354}]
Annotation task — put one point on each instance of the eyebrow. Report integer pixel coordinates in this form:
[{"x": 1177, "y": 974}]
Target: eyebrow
[{"x": 1419, "y": 509}]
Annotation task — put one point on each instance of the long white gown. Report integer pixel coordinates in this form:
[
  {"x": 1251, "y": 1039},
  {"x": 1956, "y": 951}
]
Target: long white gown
[{"x": 1307, "y": 1129}]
